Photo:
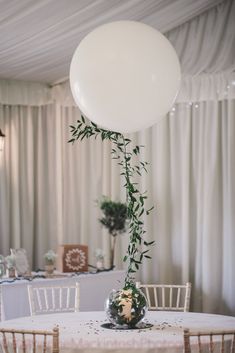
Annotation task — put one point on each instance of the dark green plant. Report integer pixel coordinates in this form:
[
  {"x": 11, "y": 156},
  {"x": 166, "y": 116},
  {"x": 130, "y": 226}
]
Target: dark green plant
[
  {"x": 114, "y": 219},
  {"x": 122, "y": 151}
]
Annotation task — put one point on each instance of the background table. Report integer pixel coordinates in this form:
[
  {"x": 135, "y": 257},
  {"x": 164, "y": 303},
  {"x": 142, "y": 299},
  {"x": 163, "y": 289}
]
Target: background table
[
  {"x": 82, "y": 332},
  {"x": 94, "y": 289}
]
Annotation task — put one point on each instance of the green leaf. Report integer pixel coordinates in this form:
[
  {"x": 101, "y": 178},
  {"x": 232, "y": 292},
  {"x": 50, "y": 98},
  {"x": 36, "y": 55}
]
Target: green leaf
[
  {"x": 131, "y": 271},
  {"x": 137, "y": 207},
  {"x": 149, "y": 210},
  {"x": 151, "y": 242}
]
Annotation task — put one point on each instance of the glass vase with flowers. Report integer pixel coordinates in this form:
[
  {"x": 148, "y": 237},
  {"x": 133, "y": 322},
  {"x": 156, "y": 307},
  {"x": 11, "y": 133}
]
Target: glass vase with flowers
[{"x": 50, "y": 259}]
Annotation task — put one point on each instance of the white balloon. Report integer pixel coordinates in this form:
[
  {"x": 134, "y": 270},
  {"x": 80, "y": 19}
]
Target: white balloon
[{"x": 125, "y": 76}]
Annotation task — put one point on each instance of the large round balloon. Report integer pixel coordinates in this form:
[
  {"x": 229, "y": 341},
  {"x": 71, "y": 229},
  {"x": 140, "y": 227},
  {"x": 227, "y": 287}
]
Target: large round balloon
[{"x": 124, "y": 76}]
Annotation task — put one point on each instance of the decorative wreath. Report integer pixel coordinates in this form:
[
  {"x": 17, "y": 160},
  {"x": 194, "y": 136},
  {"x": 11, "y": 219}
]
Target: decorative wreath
[{"x": 78, "y": 255}]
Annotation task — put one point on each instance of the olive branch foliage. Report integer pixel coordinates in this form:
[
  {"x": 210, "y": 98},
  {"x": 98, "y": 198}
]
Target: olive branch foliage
[{"x": 138, "y": 248}]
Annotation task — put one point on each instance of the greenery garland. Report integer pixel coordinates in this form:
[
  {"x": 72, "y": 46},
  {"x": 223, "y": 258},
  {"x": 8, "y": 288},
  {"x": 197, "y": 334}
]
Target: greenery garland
[{"x": 134, "y": 198}]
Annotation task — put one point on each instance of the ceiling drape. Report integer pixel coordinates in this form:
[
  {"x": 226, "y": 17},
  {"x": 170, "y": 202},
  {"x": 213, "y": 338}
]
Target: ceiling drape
[
  {"x": 206, "y": 48},
  {"x": 48, "y": 31}
]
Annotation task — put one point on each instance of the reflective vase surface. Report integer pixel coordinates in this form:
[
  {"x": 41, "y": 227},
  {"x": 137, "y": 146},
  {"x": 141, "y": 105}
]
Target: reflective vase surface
[
  {"x": 49, "y": 270},
  {"x": 2, "y": 270},
  {"x": 11, "y": 272},
  {"x": 127, "y": 307},
  {"x": 100, "y": 264}
]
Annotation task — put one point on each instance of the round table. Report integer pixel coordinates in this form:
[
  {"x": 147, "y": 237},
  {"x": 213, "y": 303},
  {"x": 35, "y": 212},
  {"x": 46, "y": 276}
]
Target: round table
[{"x": 82, "y": 331}]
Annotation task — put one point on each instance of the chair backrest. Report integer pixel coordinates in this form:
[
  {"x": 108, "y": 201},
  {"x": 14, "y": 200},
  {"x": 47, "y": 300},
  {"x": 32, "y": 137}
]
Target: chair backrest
[
  {"x": 53, "y": 299},
  {"x": 167, "y": 296},
  {"x": 29, "y": 341},
  {"x": 211, "y": 342}
]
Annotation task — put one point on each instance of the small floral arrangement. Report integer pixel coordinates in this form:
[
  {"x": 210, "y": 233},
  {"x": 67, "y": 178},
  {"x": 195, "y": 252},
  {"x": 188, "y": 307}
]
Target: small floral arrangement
[
  {"x": 99, "y": 254},
  {"x": 10, "y": 261},
  {"x": 50, "y": 257}
]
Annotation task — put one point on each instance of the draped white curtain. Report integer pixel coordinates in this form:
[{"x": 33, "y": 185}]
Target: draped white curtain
[
  {"x": 49, "y": 188},
  {"x": 48, "y": 191}
]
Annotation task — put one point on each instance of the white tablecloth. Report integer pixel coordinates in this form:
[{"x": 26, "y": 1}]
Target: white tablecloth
[
  {"x": 94, "y": 289},
  {"x": 82, "y": 332}
]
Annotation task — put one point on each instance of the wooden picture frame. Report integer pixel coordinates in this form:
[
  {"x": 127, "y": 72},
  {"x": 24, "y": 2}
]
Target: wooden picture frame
[{"x": 72, "y": 258}]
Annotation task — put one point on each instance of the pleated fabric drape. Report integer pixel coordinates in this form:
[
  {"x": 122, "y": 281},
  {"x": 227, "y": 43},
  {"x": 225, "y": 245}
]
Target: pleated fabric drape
[{"x": 49, "y": 190}]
